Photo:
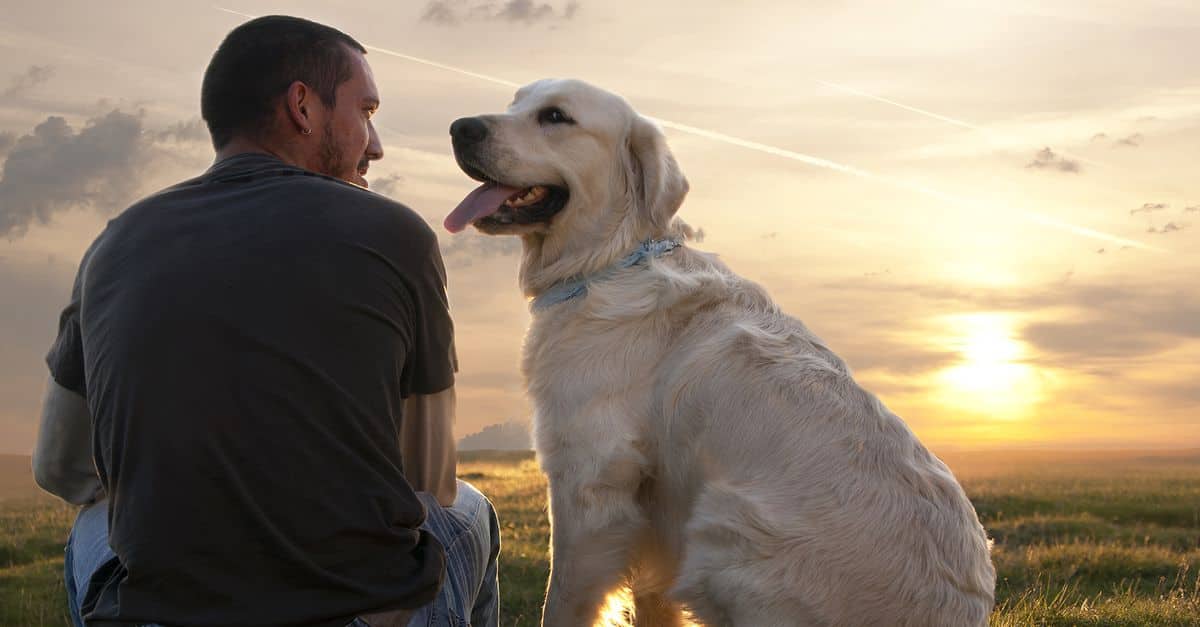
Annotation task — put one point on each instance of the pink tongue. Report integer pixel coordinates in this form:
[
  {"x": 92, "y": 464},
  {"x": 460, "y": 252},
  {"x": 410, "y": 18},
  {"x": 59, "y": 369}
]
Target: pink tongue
[{"x": 483, "y": 201}]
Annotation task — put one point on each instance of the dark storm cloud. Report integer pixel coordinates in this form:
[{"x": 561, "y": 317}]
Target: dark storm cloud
[
  {"x": 1047, "y": 159},
  {"x": 451, "y": 13}
]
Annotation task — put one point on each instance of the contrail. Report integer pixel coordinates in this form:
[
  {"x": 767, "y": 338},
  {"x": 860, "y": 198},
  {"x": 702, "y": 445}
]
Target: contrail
[
  {"x": 1031, "y": 216},
  {"x": 936, "y": 116},
  {"x": 944, "y": 118},
  {"x": 442, "y": 66},
  {"x": 234, "y": 12}
]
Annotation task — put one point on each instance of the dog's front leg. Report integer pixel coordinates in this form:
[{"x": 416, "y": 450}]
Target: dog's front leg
[{"x": 594, "y": 521}]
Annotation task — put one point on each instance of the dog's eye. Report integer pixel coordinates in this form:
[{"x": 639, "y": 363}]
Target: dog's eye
[{"x": 553, "y": 115}]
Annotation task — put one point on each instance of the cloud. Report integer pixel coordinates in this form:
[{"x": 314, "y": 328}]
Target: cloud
[
  {"x": 6, "y": 141},
  {"x": 194, "y": 130},
  {"x": 1192, "y": 209},
  {"x": 1120, "y": 318},
  {"x": 1149, "y": 207},
  {"x": 102, "y": 166},
  {"x": 387, "y": 185},
  {"x": 55, "y": 168},
  {"x": 892, "y": 356},
  {"x": 1078, "y": 339},
  {"x": 1048, "y": 159},
  {"x": 1099, "y": 137},
  {"x": 467, "y": 249},
  {"x": 1118, "y": 322},
  {"x": 1114, "y": 320},
  {"x": 1169, "y": 227},
  {"x": 32, "y": 77},
  {"x": 1134, "y": 140},
  {"x": 529, "y": 11},
  {"x": 451, "y": 12},
  {"x": 440, "y": 12},
  {"x": 1187, "y": 393}
]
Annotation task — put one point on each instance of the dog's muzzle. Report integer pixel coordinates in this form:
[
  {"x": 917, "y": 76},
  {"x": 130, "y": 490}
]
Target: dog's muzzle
[{"x": 467, "y": 132}]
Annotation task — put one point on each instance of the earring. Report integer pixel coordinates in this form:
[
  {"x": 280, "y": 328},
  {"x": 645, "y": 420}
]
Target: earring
[{"x": 307, "y": 131}]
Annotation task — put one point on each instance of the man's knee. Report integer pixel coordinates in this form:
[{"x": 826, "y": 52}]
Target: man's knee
[
  {"x": 469, "y": 530},
  {"x": 468, "y": 495},
  {"x": 493, "y": 520},
  {"x": 480, "y": 515}
]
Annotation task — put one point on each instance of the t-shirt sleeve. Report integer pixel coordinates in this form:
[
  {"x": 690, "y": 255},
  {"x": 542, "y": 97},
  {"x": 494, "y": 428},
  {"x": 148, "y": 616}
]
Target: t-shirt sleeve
[
  {"x": 432, "y": 360},
  {"x": 65, "y": 357}
]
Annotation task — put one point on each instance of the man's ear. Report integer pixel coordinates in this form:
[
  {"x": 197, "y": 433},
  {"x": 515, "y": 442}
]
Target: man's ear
[
  {"x": 299, "y": 102},
  {"x": 656, "y": 184}
]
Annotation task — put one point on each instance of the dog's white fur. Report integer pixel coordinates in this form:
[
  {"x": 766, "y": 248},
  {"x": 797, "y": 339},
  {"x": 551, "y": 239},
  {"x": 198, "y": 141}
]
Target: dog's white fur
[{"x": 699, "y": 442}]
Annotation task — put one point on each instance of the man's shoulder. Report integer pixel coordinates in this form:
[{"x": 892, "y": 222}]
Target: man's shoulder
[
  {"x": 286, "y": 189},
  {"x": 382, "y": 216},
  {"x": 396, "y": 213}
]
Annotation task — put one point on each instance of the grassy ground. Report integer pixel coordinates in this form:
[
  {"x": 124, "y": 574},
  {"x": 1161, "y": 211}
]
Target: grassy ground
[{"x": 1092, "y": 539}]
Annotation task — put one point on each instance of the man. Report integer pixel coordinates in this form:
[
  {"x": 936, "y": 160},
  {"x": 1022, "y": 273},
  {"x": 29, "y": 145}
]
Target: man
[{"x": 259, "y": 361}]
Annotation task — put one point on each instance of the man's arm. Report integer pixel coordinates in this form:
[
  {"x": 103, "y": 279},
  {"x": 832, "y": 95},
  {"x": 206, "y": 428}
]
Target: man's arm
[
  {"x": 62, "y": 459},
  {"x": 427, "y": 444}
]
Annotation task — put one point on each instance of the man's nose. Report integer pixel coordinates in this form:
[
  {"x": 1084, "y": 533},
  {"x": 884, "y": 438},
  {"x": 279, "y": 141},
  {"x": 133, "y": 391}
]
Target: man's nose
[
  {"x": 467, "y": 131},
  {"x": 374, "y": 146}
]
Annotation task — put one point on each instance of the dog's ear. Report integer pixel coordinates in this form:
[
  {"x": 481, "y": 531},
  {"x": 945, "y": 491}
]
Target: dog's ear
[{"x": 656, "y": 184}]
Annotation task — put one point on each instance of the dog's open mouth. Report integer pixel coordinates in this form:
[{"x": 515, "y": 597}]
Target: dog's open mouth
[{"x": 496, "y": 205}]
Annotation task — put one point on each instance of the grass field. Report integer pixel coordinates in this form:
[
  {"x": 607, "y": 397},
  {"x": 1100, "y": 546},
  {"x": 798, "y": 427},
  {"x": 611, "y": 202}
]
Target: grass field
[{"x": 1081, "y": 538}]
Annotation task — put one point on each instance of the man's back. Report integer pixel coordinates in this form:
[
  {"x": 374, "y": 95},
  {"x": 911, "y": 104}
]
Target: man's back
[{"x": 247, "y": 338}]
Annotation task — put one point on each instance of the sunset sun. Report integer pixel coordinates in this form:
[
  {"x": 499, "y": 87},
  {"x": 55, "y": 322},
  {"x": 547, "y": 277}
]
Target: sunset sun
[{"x": 990, "y": 377}]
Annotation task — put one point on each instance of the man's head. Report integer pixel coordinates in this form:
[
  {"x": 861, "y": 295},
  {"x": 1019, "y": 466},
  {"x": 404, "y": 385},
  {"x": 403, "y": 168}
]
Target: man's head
[{"x": 295, "y": 88}]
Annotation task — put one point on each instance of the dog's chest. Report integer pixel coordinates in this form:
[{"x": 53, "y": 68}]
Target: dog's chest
[{"x": 570, "y": 359}]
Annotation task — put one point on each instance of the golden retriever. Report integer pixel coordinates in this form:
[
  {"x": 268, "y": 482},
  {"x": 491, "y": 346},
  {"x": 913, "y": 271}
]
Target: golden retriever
[{"x": 700, "y": 444}]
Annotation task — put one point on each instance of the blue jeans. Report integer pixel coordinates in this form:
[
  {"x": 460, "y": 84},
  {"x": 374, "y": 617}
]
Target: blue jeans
[{"x": 469, "y": 530}]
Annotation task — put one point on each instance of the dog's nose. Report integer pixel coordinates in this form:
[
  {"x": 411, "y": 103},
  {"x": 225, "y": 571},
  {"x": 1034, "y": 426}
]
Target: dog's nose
[{"x": 468, "y": 130}]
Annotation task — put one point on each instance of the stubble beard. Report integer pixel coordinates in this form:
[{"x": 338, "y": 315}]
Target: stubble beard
[{"x": 331, "y": 161}]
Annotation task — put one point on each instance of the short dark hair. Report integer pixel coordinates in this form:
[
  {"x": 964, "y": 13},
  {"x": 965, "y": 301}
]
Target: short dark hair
[{"x": 259, "y": 60}]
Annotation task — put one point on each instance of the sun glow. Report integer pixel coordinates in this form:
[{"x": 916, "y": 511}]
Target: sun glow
[{"x": 991, "y": 377}]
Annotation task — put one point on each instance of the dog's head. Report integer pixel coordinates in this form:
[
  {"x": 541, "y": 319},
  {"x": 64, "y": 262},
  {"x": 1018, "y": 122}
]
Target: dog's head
[{"x": 570, "y": 167}]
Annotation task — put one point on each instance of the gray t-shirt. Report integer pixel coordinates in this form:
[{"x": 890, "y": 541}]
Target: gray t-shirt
[{"x": 245, "y": 341}]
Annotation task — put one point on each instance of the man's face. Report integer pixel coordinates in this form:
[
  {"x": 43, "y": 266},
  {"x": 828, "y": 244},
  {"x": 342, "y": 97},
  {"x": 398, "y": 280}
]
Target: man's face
[{"x": 348, "y": 140}]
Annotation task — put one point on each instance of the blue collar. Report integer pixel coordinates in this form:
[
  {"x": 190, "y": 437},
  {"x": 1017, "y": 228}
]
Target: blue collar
[{"x": 572, "y": 288}]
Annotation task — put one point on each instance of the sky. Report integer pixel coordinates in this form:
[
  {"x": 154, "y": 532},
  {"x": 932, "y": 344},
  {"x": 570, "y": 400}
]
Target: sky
[{"x": 991, "y": 210}]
